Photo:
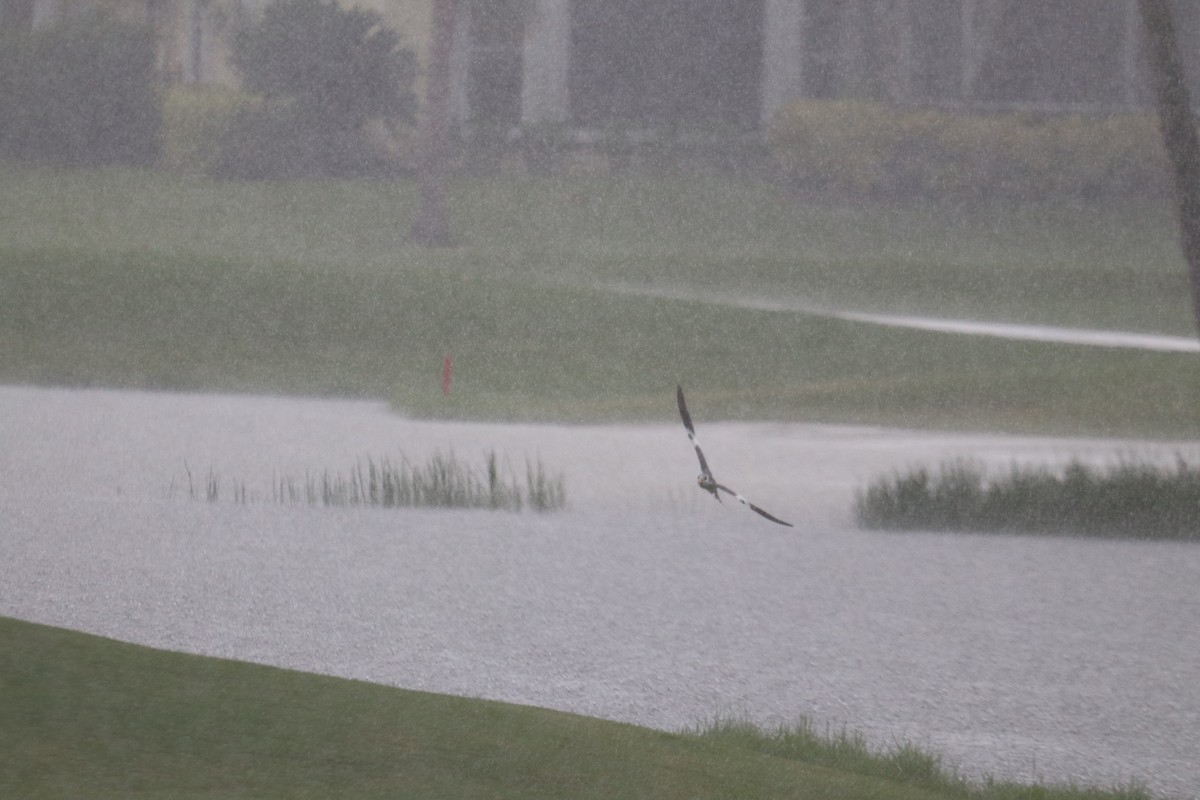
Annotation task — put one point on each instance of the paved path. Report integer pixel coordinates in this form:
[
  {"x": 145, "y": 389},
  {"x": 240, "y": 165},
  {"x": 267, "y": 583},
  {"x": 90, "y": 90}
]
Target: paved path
[{"x": 1003, "y": 330}]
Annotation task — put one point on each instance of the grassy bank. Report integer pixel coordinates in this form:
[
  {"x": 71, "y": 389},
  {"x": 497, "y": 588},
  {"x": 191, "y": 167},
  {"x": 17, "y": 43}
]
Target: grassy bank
[
  {"x": 86, "y": 716},
  {"x": 137, "y": 279}
]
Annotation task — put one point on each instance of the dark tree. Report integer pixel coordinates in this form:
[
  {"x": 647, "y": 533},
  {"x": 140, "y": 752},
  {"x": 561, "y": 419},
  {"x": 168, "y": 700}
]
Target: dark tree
[
  {"x": 341, "y": 66},
  {"x": 432, "y": 227},
  {"x": 80, "y": 92},
  {"x": 325, "y": 71},
  {"x": 1178, "y": 131}
]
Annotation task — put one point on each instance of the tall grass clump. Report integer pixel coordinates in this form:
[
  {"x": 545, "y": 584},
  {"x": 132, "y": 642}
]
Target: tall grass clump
[
  {"x": 843, "y": 750},
  {"x": 443, "y": 481},
  {"x": 904, "y": 763},
  {"x": 1131, "y": 498}
]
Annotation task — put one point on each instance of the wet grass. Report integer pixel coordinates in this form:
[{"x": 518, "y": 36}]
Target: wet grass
[
  {"x": 1115, "y": 266},
  {"x": 122, "y": 278},
  {"x": 543, "y": 351},
  {"x": 90, "y": 717},
  {"x": 1131, "y": 498},
  {"x": 442, "y": 481},
  {"x": 903, "y": 763}
]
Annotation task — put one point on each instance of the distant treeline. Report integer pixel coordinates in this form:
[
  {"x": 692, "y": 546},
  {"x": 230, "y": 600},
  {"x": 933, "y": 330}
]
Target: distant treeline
[{"x": 849, "y": 148}]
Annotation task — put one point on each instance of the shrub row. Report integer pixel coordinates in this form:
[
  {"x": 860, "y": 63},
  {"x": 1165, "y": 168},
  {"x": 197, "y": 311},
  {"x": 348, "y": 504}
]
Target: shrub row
[
  {"x": 870, "y": 149},
  {"x": 196, "y": 119},
  {"x": 237, "y": 135}
]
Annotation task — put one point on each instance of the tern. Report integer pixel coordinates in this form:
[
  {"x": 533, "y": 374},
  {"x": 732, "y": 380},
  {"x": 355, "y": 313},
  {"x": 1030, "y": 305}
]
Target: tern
[{"x": 706, "y": 480}]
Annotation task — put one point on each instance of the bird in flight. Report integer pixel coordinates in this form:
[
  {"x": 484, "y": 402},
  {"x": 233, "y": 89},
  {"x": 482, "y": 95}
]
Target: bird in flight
[{"x": 706, "y": 480}]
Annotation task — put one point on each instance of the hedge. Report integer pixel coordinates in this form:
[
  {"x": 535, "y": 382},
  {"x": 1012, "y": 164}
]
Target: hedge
[
  {"x": 870, "y": 149},
  {"x": 195, "y": 121}
]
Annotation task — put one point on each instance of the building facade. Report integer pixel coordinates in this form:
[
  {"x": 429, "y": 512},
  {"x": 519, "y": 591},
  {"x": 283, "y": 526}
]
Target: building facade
[
  {"x": 717, "y": 65},
  {"x": 734, "y": 63}
]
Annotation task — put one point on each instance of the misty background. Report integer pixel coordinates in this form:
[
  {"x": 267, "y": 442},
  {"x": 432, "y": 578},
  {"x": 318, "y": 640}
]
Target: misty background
[{"x": 244, "y": 240}]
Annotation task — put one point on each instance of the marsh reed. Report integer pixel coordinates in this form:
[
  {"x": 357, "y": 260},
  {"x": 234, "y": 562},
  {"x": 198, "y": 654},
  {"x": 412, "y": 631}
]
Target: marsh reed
[
  {"x": 442, "y": 481},
  {"x": 1130, "y": 498}
]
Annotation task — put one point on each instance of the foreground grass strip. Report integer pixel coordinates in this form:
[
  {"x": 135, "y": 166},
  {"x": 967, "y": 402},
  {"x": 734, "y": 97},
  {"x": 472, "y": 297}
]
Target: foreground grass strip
[
  {"x": 1128, "y": 499},
  {"x": 443, "y": 481},
  {"x": 904, "y": 763},
  {"x": 91, "y": 717}
]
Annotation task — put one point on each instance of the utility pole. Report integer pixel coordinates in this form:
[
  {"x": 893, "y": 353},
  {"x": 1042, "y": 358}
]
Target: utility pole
[
  {"x": 432, "y": 227},
  {"x": 1178, "y": 131}
]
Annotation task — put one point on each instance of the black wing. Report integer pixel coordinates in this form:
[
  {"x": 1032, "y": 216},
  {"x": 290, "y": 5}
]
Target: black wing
[
  {"x": 753, "y": 507},
  {"x": 691, "y": 430}
]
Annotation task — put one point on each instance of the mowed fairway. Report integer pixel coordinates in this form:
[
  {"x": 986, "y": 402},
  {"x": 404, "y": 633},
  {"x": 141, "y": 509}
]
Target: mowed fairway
[{"x": 139, "y": 279}]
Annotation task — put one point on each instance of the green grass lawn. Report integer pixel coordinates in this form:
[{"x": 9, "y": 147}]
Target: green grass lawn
[
  {"x": 124, "y": 278},
  {"x": 90, "y": 717},
  {"x": 140, "y": 279}
]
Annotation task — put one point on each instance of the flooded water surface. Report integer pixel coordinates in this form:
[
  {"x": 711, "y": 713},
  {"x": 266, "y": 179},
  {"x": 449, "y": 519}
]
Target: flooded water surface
[{"x": 1056, "y": 659}]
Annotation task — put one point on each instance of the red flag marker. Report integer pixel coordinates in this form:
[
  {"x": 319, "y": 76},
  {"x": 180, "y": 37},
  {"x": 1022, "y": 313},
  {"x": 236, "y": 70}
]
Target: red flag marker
[{"x": 446, "y": 369}]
